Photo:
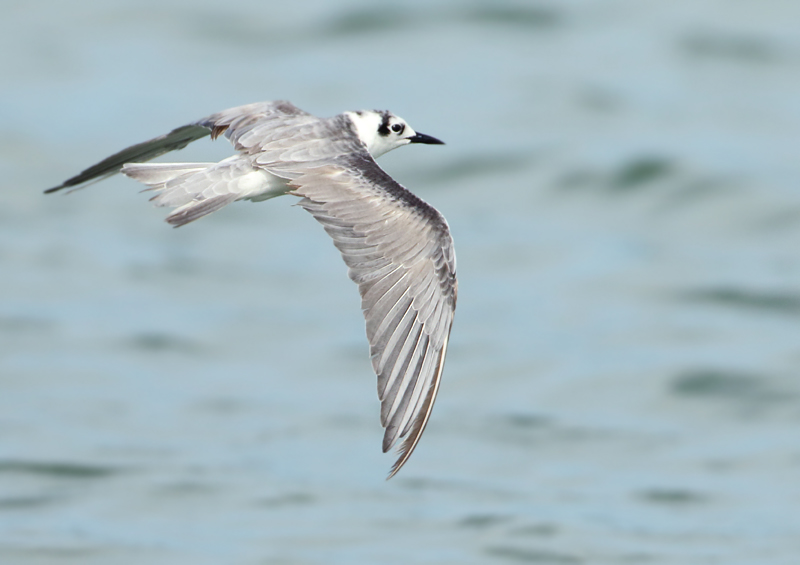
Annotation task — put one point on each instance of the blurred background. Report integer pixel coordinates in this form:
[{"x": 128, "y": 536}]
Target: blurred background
[{"x": 621, "y": 181}]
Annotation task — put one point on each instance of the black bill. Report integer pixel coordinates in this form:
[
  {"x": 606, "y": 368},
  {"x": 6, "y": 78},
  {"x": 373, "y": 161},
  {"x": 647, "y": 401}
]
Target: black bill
[{"x": 422, "y": 138}]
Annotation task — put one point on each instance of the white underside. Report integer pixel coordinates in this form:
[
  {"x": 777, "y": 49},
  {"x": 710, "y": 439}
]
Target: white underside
[{"x": 184, "y": 186}]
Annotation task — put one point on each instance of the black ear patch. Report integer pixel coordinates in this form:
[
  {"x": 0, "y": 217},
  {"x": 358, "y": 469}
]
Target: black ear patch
[{"x": 383, "y": 129}]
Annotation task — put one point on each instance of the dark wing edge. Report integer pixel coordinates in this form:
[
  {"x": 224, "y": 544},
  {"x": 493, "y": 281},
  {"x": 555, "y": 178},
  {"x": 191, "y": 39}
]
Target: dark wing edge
[
  {"x": 415, "y": 433},
  {"x": 139, "y": 153},
  {"x": 214, "y": 125},
  {"x": 400, "y": 253}
]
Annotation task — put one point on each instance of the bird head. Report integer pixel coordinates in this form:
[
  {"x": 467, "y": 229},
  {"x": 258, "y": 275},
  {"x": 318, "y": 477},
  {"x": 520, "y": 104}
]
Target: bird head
[{"x": 381, "y": 131}]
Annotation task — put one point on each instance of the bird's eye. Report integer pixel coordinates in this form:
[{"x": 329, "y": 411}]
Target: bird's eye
[{"x": 397, "y": 128}]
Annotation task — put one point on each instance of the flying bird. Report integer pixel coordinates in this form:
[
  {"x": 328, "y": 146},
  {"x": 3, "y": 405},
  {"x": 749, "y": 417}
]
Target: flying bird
[{"x": 398, "y": 248}]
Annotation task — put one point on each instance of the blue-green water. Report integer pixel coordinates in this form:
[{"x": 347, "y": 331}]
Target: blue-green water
[{"x": 623, "y": 185}]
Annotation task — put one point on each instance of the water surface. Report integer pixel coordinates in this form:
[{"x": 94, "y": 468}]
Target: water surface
[{"x": 621, "y": 180}]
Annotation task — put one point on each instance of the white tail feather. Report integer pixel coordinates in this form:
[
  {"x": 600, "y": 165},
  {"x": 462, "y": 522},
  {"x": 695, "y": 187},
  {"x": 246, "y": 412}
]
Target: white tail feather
[
  {"x": 197, "y": 189},
  {"x": 156, "y": 175}
]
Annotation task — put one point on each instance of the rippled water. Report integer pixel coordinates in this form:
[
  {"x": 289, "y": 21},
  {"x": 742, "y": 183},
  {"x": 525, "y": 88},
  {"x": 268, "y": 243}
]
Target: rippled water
[{"x": 621, "y": 180}]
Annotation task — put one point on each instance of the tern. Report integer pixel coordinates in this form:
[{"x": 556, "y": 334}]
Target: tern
[{"x": 397, "y": 247}]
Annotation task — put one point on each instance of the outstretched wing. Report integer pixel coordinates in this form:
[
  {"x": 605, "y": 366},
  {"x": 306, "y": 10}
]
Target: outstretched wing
[
  {"x": 274, "y": 113},
  {"x": 400, "y": 253}
]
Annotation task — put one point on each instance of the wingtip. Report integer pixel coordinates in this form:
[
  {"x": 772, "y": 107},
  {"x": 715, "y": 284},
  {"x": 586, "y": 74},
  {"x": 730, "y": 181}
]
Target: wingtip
[
  {"x": 410, "y": 443},
  {"x": 394, "y": 469},
  {"x": 400, "y": 462}
]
